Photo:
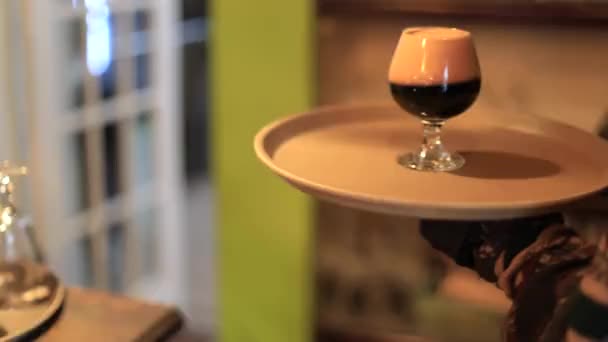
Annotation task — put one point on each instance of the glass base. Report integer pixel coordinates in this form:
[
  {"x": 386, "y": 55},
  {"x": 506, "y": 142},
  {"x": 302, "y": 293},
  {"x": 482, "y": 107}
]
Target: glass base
[{"x": 422, "y": 161}]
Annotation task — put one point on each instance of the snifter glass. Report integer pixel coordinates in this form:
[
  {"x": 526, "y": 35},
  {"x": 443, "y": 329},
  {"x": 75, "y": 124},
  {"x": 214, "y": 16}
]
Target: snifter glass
[{"x": 434, "y": 75}]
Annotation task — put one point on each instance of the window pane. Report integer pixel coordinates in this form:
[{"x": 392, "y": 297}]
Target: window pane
[
  {"x": 142, "y": 71},
  {"x": 141, "y": 20},
  {"x": 75, "y": 36},
  {"x": 78, "y": 262},
  {"x": 76, "y": 174},
  {"x": 143, "y": 156},
  {"x": 147, "y": 239},
  {"x": 112, "y": 159},
  {"x": 77, "y": 98},
  {"x": 107, "y": 82},
  {"x": 116, "y": 256},
  {"x": 72, "y": 62}
]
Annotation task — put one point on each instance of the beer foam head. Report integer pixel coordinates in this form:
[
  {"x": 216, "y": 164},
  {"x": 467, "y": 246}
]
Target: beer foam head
[{"x": 434, "y": 55}]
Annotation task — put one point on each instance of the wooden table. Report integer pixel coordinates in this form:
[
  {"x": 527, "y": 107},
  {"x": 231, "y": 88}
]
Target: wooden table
[{"x": 93, "y": 316}]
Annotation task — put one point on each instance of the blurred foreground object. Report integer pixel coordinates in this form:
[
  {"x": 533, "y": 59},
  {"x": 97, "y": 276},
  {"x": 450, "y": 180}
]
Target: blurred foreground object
[
  {"x": 29, "y": 293},
  {"x": 23, "y": 280}
]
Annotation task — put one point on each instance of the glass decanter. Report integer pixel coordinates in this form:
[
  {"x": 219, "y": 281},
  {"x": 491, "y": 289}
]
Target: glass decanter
[{"x": 24, "y": 280}]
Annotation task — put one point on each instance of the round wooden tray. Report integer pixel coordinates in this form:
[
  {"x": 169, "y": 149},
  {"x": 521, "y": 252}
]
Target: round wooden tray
[
  {"x": 28, "y": 322},
  {"x": 515, "y": 165}
]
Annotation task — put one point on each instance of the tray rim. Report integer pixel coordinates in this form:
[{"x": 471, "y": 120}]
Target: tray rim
[
  {"x": 47, "y": 315},
  {"x": 363, "y": 201}
]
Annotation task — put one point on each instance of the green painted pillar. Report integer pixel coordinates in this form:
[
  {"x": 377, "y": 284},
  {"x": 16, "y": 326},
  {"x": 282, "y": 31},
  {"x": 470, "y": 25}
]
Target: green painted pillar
[{"x": 261, "y": 69}]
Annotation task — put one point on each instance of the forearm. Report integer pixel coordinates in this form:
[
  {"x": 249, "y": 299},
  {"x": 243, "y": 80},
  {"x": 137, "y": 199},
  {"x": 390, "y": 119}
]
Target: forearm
[
  {"x": 486, "y": 247},
  {"x": 538, "y": 262}
]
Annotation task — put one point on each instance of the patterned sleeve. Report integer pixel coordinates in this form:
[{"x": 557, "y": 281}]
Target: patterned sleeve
[
  {"x": 538, "y": 263},
  {"x": 486, "y": 247}
]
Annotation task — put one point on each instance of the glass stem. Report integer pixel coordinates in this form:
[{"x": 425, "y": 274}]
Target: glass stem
[
  {"x": 432, "y": 155},
  {"x": 432, "y": 135}
]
